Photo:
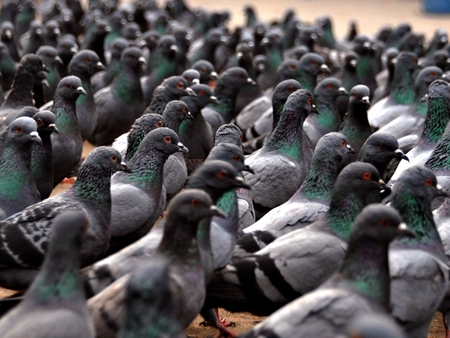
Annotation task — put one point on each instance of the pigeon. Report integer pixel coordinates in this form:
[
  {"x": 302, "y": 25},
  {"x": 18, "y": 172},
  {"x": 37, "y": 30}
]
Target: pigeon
[
  {"x": 438, "y": 115},
  {"x": 272, "y": 43},
  {"x": 361, "y": 285},
  {"x": 26, "y": 13},
  {"x": 309, "y": 67},
  {"x": 386, "y": 77},
  {"x": 51, "y": 33},
  {"x": 8, "y": 67},
  {"x": 17, "y": 187},
  {"x": 402, "y": 92},
  {"x": 418, "y": 267},
  {"x": 32, "y": 39},
  {"x": 94, "y": 38},
  {"x": 226, "y": 90},
  {"x": 325, "y": 36},
  {"x": 55, "y": 304},
  {"x": 365, "y": 48},
  {"x": 286, "y": 154},
  {"x": 104, "y": 78},
  {"x": 8, "y": 37},
  {"x": 21, "y": 95},
  {"x": 379, "y": 149},
  {"x": 67, "y": 145},
  {"x": 22, "y": 254},
  {"x": 51, "y": 60},
  {"x": 121, "y": 103},
  {"x": 196, "y": 134},
  {"x": 204, "y": 48},
  {"x": 41, "y": 153},
  {"x": 206, "y": 69},
  {"x": 268, "y": 279},
  {"x": 149, "y": 302},
  {"x": 192, "y": 76},
  {"x": 355, "y": 125},
  {"x": 67, "y": 47},
  {"x": 328, "y": 119},
  {"x": 374, "y": 325},
  {"x": 179, "y": 245},
  {"x": 175, "y": 169},
  {"x": 310, "y": 201},
  {"x": 138, "y": 199}
]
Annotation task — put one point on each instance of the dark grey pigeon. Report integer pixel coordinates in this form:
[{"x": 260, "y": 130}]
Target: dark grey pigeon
[
  {"x": 67, "y": 145},
  {"x": 25, "y": 235},
  {"x": 418, "y": 267},
  {"x": 17, "y": 187},
  {"x": 283, "y": 162},
  {"x": 30, "y": 41},
  {"x": 192, "y": 76},
  {"x": 207, "y": 72},
  {"x": 51, "y": 60},
  {"x": 150, "y": 302},
  {"x": 121, "y": 103},
  {"x": 138, "y": 199},
  {"x": 268, "y": 279},
  {"x": 179, "y": 245},
  {"x": 361, "y": 286},
  {"x": 309, "y": 203},
  {"x": 55, "y": 304}
]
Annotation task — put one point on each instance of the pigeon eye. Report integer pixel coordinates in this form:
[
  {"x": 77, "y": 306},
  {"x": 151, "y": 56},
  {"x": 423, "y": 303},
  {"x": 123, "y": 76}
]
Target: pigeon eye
[
  {"x": 236, "y": 158},
  {"x": 343, "y": 143},
  {"x": 68, "y": 86},
  {"x": 202, "y": 70},
  {"x": 309, "y": 101},
  {"x": 88, "y": 60},
  {"x": 313, "y": 63},
  {"x": 241, "y": 137},
  {"x": 185, "y": 110},
  {"x": 113, "y": 158},
  {"x": 132, "y": 57},
  {"x": 202, "y": 93},
  {"x": 167, "y": 139},
  {"x": 39, "y": 122},
  {"x": 330, "y": 86},
  {"x": 289, "y": 88},
  {"x": 240, "y": 75},
  {"x": 366, "y": 175},
  {"x": 195, "y": 202},
  {"x": 384, "y": 222},
  {"x": 382, "y": 146},
  {"x": 292, "y": 67},
  {"x": 433, "y": 74},
  {"x": 48, "y": 55},
  {"x": 180, "y": 85},
  {"x": 19, "y": 130},
  {"x": 355, "y": 96},
  {"x": 413, "y": 61},
  {"x": 428, "y": 182},
  {"x": 222, "y": 174},
  {"x": 159, "y": 124}
]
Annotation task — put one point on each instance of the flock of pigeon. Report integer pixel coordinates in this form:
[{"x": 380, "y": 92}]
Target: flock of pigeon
[{"x": 267, "y": 168}]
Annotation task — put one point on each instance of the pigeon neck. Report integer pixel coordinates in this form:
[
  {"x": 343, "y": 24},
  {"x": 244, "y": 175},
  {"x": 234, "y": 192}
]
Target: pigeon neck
[
  {"x": 226, "y": 94},
  {"x": 65, "y": 112},
  {"x": 287, "y": 138},
  {"x": 147, "y": 168},
  {"x": 277, "y": 108},
  {"x": 135, "y": 138},
  {"x": 366, "y": 269},
  {"x": 364, "y": 68},
  {"x": 93, "y": 184},
  {"x": 41, "y": 155},
  {"x": 228, "y": 204},
  {"x": 355, "y": 121},
  {"x": 327, "y": 38},
  {"x": 274, "y": 58},
  {"x": 172, "y": 122},
  {"x": 328, "y": 117},
  {"x": 418, "y": 215},
  {"x": 86, "y": 84},
  {"x": 307, "y": 80},
  {"x": 21, "y": 89},
  {"x": 402, "y": 90},
  {"x": 159, "y": 101},
  {"x": 438, "y": 115},
  {"x": 439, "y": 159},
  {"x": 112, "y": 70},
  {"x": 127, "y": 86},
  {"x": 419, "y": 107}
]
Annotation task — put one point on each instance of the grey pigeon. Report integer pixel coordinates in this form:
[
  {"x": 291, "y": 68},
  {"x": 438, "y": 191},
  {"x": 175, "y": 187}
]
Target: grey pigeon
[
  {"x": 284, "y": 161},
  {"x": 206, "y": 69},
  {"x": 51, "y": 60},
  {"x": 361, "y": 286},
  {"x": 22, "y": 254},
  {"x": 121, "y": 103},
  {"x": 55, "y": 304},
  {"x": 192, "y": 76},
  {"x": 418, "y": 267},
  {"x": 17, "y": 187},
  {"x": 374, "y": 325},
  {"x": 67, "y": 145},
  {"x": 268, "y": 279},
  {"x": 179, "y": 245},
  {"x": 310, "y": 201},
  {"x": 138, "y": 199}
]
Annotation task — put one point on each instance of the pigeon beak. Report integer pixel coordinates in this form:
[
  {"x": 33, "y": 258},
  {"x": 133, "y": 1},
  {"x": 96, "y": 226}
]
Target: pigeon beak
[
  {"x": 74, "y": 50},
  {"x": 81, "y": 90},
  {"x": 195, "y": 81},
  {"x": 353, "y": 63},
  {"x": 350, "y": 149},
  {"x": 182, "y": 148},
  {"x": 385, "y": 191},
  {"x": 215, "y": 211},
  {"x": 174, "y": 48},
  {"x": 342, "y": 91},
  {"x": 100, "y": 66},
  {"x": 314, "y": 109},
  {"x": 405, "y": 231},
  {"x": 45, "y": 69},
  {"x": 108, "y": 29},
  {"x": 53, "y": 128},
  {"x": 39, "y": 31},
  {"x": 214, "y": 75},
  {"x": 58, "y": 60},
  {"x": 124, "y": 167},
  {"x": 45, "y": 83},
  {"x": 264, "y": 42},
  {"x": 248, "y": 169},
  {"x": 189, "y": 116},
  {"x": 325, "y": 69},
  {"x": 424, "y": 98},
  {"x": 190, "y": 92},
  {"x": 400, "y": 154},
  {"x": 213, "y": 99},
  {"x": 366, "y": 100},
  {"x": 142, "y": 61},
  {"x": 35, "y": 137},
  {"x": 8, "y": 34},
  {"x": 441, "y": 192},
  {"x": 57, "y": 31},
  {"x": 240, "y": 182},
  {"x": 251, "y": 82},
  {"x": 239, "y": 55}
]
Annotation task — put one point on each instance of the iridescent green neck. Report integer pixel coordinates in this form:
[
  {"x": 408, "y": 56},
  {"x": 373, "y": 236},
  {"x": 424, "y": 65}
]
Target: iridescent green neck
[
  {"x": 436, "y": 121},
  {"x": 66, "y": 119},
  {"x": 15, "y": 171},
  {"x": 402, "y": 90},
  {"x": 147, "y": 169},
  {"x": 126, "y": 86},
  {"x": 342, "y": 213},
  {"x": 328, "y": 117}
]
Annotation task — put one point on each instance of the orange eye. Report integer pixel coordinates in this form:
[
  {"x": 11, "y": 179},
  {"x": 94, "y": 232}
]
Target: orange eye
[
  {"x": 236, "y": 158},
  {"x": 88, "y": 60},
  {"x": 292, "y": 67},
  {"x": 413, "y": 61},
  {"x": 367, "y": 176},
  {"x": 355, "y": 96},
  {"x": 313, "y": 63},
  {"x": 382, "y": 146},
  {"x": 384, "y": 222},
  {"x": 194, "y": 202},
  {"x": 289, "y": 88},
  {"x": 202, "y": 70},
  {"x": 185, "y": 110},
  {"x": 343, "y": 143},
  {"x": 222, "y": 174},
  {"x": 202, "y": 93},
  {"x": 433, "y": 74},
  {"x": 113, "y": 158},
  {"x": 19, "y": 130},
  {"x": 309, "y": 101},
  {"x": 241, "y": 137},
  {"x": 330, "y": 86},
  {"x": 159, "y": 124},
  {"x": 428, "y": 182},
  {"x": 167, "y": 139},
  {"x": 180, "y": 85},
  {"x": 39, "y": 122}
]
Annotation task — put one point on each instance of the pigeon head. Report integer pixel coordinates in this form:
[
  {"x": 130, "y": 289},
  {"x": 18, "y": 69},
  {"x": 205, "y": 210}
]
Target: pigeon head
[
  {"x": 407, "y": 59},
  {"x": 7, "y": 31},
  {"x": 32, "y": 64},
  {"x": 70, "y": 87},
  {"x": 280, "y": 95},
  {"x": 192, "y": 76},
  {"x": 287, "y": 69},
  {"x": 313, "y": 63},
  {"x": 229, "y": 133},
  {"x": 132, "y": 57},
  {"x": 131, "y": 31},
  {"x": 418, "y": 182},
  {"x": 49, "y": 55},
  {"x": 167, "y": 45},
  {"x": 360, "y": 95},
  {"x": 351, "y": 60},
  {"x": 106, "y": 159},
  {"x": 335, "y": 145},
  {"x": 229, "y": 153},
  {"x": 204, "y": 95},
  {"x": 150, "y": 39},
  {"x": 45, "y": 121},
  {"x": 164, "y": 140},
  {"x": 381, "y": 223},
  {"x": 236, "y": 77},
  {"x": 176, "y": 87},
  {"x": 36, "y": 28},
  {"x": 303, "y": 98},
  {"x": 206, "y": 69},
  {"x": 51, "y": 29},
  {"x": 179, "y": 110},
  {"x": 67, "y": 48},
  {"x": 85, "y": 62},
  {"x": 23, "y": 130},
  {"x": 147, "y": 123},
  {"x": 117, "y": 47},
  {"x": 192, "y": 205},
  {"x": 329, "y": 87}
]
